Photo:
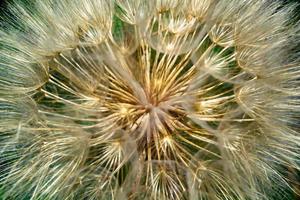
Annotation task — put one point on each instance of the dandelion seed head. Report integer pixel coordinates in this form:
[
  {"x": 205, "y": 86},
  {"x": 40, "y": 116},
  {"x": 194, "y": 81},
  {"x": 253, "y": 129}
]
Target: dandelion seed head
[{"x": 136, "y": 99}]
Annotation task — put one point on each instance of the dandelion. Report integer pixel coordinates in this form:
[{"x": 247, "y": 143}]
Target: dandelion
[{"x": 137, "y": 99}]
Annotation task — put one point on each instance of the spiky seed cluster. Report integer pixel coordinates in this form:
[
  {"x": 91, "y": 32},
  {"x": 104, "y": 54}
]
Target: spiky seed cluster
[{"x": 138, "y": 99}]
